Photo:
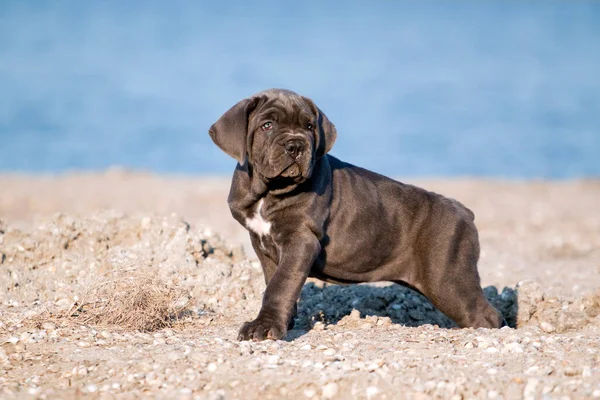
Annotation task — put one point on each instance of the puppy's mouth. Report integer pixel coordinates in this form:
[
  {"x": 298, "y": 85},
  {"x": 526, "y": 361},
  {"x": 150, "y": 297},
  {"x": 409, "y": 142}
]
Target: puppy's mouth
[
  {"x": 292, "y": 171},
  {"x": 285, "y": 166}
]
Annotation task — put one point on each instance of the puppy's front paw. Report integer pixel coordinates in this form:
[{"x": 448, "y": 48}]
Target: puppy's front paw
[{"x": 262, "y": 328}]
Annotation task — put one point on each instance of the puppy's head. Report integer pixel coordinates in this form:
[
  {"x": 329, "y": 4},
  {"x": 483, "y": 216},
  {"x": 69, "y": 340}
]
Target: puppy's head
[{"x": 278, "y": 132}]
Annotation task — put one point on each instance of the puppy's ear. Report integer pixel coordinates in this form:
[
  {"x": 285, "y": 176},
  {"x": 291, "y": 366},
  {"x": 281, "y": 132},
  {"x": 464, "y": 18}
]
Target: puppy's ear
[
  {"x": 231, "y": 130},
  {"x": 326, "y": 134}
]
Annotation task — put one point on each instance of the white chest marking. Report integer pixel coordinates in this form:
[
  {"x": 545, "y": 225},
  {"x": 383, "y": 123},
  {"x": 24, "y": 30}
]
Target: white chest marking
[{"x": 257, "y": 223}]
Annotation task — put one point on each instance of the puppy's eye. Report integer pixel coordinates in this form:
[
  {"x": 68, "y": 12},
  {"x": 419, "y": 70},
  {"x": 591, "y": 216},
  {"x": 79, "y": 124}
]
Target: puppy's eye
[
  {"x": 267, "y": 126},
  {"x": 310, "y": 127}
]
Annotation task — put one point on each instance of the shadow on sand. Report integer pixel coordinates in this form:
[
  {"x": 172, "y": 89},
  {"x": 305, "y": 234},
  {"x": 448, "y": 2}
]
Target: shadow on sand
[{"x": 330, "y": 303}]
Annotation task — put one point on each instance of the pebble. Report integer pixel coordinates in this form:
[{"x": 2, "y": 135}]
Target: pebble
[
  {"x": 547, "y": 327},
  {"x": 3, "y": 356},
  {"x": 329, "y": 352},
  {"x": 212, "y": 367},
  {"x": 91, "y": 388},
  {"x": 355, "y": 314},
  {"x": 571, "y": 371},
  {"x": 49, "y": 326},
  {"x": 530, "y": 387},
  {"x": 274, "y": 360},
  {"x": 372, "y": 391},
  {"x": 12, "y": 339},
  {"x": 330, "y": 390},
  {"x": 513, "y": 347},
  {"x": 319, "y": 326},
  {"x": 416, "y": 314},
  {"x": 26, "y": 337}
]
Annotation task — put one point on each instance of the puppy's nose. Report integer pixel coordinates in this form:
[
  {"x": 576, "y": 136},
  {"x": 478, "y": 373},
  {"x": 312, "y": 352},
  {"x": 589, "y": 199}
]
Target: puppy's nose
[{"x": 294, "y": 147}]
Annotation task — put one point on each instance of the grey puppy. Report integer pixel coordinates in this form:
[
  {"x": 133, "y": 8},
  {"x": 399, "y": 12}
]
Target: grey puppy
[{"x": 310, "y": 214}]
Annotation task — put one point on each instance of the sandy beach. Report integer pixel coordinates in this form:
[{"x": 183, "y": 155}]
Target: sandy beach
[{"x": 61, "y": 234}]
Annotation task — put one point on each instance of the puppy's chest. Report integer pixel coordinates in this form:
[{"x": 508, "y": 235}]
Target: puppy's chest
[{"x": 256, "y": 222}]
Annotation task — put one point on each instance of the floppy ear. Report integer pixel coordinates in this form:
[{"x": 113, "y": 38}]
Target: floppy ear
[
  {"x": 231, "y": 130},
  {"x": 326, "y": 130}
]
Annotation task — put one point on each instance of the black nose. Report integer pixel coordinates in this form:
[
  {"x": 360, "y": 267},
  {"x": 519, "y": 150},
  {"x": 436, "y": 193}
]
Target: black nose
[{"x": 294, "y": 147}]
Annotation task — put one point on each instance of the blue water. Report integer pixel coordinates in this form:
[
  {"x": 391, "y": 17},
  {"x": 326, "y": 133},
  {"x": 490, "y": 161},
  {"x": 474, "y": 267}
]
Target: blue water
[{"x": 495, "y": 88}]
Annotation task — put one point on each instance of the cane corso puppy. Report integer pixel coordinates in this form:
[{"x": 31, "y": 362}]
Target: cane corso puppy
[{"x": 310, "y": 214}]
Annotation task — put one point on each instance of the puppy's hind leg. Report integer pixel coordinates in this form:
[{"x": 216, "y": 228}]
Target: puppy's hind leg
[{"x": 452, "y": 282}]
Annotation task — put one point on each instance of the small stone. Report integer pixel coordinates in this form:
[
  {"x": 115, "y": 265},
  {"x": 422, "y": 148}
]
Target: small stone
[
  {"x": 491, "y": 350},
  {"x": 596, "y": 393},
  {"x": 372, "y": 367},
  {"x": 571, "y": 371},
  {"x": 26, "y": 337},
  {"x": 586, "y": 372},
  {"x": 306, "y": 347},
  {"x": 106, "y": 334},
  {"x": 83, "y": 344},
  {"x": 3, "y": 356},
  {"x": 49, "y": 326},
  {"x": 330, "y": 390},
  {"x": 355, "y": 314},
  {"x": 91, "y": 388},
  {"x": 529, "y": 391},
  {"x": 329, "y": 352},
  {"x": 372, "y": 391},
  {"x": 212, "y": 367},
  {"x": 318, "y": 326},
  {"x": 513, "y": 347},
  {"x": 63, "y": 303},
  {"x": 547, "y": 327},
  {"x": 273, "y": 360},
  {"x": 384, "y": 321},
  {"x": 217, "y": 395},
  {"x": 310, "y": 392},
  {"x": 532, "y": 370},
  {"x": 54, "y": 368},
  {"x": 416, "y": 315},
  {"x": 146, "y": 222}
]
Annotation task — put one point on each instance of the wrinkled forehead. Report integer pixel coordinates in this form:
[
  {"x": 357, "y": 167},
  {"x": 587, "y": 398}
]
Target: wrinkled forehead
[{"x": 283, "y": 106}]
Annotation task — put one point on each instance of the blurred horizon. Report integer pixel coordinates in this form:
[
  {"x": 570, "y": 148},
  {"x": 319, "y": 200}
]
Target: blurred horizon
[{"x": 423, "y": 89}]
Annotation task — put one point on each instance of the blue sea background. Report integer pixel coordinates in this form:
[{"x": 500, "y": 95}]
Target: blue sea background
[{"x": 427, "y": 88}]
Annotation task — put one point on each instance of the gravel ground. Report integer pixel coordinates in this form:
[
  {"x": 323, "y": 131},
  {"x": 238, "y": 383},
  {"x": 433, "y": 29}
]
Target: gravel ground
[{"x": 540, "y": 261}]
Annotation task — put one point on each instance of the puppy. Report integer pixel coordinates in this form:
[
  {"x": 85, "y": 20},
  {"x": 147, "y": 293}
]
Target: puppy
[{"x": 310, "y": 214}]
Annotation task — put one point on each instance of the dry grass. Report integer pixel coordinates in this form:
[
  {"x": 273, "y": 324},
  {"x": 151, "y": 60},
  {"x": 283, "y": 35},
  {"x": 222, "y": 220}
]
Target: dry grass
[{"x": 131, "y": 298}]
